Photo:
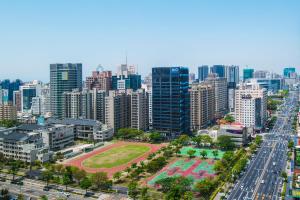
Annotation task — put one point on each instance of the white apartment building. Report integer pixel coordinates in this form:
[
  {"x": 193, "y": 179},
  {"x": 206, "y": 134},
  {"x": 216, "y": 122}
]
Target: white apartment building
[
  {"x": 251, "y": 105},
  {"x": 139, "y": 109}
]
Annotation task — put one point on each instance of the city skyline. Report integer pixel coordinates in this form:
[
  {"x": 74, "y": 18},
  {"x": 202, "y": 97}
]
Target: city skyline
[{"x": 260, "y": 35}]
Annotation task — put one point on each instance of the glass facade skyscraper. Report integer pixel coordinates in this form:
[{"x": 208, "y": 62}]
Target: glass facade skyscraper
[
  {"x": 131, "y": 81},
  {"x": 202, "y": 72},
  {"x": 11, "y": 87},
  {"x": 287, "y": 71},
  {"x": 171, "y": 100},
  {"x": 63, "y": 78},
  {"x": 218, "y": 69},
  {"x": 247, "y": 74}
]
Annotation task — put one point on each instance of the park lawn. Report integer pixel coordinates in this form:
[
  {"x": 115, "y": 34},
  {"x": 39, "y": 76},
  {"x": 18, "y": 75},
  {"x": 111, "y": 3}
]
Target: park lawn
[{"x": 116, "y": 156}]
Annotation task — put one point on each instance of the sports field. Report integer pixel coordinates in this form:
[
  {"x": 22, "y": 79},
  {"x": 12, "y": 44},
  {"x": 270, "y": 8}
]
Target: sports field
[
  {"x": 115, "y": 157},
  {"x": 210, "y": 154},
  {"x": 195, "y": 168}
]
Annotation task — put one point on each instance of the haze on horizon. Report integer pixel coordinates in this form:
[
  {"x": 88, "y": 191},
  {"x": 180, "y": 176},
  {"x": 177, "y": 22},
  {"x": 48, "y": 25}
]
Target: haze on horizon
[{"x": 258, "y": 34}]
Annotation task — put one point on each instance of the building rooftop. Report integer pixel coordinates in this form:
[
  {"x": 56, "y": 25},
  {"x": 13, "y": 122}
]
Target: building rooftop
[{"x": 87, "y": 122}]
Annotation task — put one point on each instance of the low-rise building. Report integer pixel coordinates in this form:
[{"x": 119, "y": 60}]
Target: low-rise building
[
  {"x": 86, "y": 129},
  {"x": 238, "y": 133},
  {"x": 26, "y": 147}
]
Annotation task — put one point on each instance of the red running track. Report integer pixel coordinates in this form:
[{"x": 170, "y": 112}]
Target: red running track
[{"x": 78, "y": 162}]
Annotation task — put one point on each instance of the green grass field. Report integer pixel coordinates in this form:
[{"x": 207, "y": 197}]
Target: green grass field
[
  {"x": 184, "y": 151},
  {"x": 116, "y": 156}
]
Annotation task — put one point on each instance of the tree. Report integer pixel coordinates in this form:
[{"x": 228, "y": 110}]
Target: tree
[
  {"x": 175, "y": 187},
  {"x": 47, "y": 176},
  {"x": 188, "y": 195},
  {"x": 79, "y": 174},
  {"x": 101, "y": 181},
  {"x": 66, "y": 180},
  {"x": 21, "y": 197},
  {"x": 206, "y": 139},
  {"x": 205, "y": 187},
  {"x": 156, "y": 164},
  {"x": 215, "y": 153},
  {"x": 43, "y": 197},
  {"x": 155, "y": 137},
  {"x": 198, "y": 140},
  {"x": 133, "y": 190},
  {"x": 183, "y": 139},
  {"x": 14, "y": 168},
  {"x": 191, "y": 152},
  {"x": 4, "y": 194},
  {"x": 145, "y": 194},
  {"x": 117, "y": 176},
  {"x": 284, "y": 175},
  {"x": 128, "y": 133},
  {"x": 225, "y": 142},
  {"x": 258, "y": 139},
  {"x": 229, "y": 118},
  {"x": 203, "y": 153},
  {"x": 291, "y": 144},
  {"x": 85, "y": 184}
]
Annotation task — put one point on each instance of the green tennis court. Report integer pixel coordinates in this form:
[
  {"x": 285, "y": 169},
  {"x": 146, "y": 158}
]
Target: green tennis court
[{"x": 210, "y": 154}]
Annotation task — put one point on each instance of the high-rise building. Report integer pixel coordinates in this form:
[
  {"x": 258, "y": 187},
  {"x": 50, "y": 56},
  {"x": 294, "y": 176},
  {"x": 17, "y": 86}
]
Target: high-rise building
[
  {"x": 126, "y": 79},
  {"x": 8, "y": 112},
  {"x": 117, "y": 110},
  {"x": 233, "y": 78},
  {"x": 247, "y": 73},
  {"x": 101, "y": 80},
  {"x": 99, "y": 105},
  {"x": 260, "y": 74},
  {"x": 87, "y": 104},
  {"x": 11, "y": 87},
  {"x": 45, "y": 100},
  {"x": 139, "y": 110},
  {"x": 221, "y": 94},
  {"x": 28, "y": 91},
  {"x": 288, "y": 71},
  {"x": 36, "y": 105},
  {"x": 202, "y": 105},
  {"x": 232, "y": 74},
  {"x": 218, "y": 69},
  {"x": 202, "y": 72},
  {"x": 63, "y": 78},
  {"x": 4, "y": 96},
  {"x": 171, "y": 100},
  {"x": 17, "y": 100},
  {"x": 72, "y": 104},
  {"x": 251, "y": 105},
  {"x": 147, "y": 86}
]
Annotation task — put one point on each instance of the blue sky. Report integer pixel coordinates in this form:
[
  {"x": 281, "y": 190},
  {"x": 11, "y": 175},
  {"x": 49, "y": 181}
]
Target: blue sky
[{"x": 264, "y": 34}]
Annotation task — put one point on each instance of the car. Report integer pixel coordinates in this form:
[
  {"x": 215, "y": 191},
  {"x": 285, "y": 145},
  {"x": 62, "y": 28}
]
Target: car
[
  {"x": 262, "y": 181},
  {"x": 66, "y": 194},
  {"x": 46, "y": 188}
]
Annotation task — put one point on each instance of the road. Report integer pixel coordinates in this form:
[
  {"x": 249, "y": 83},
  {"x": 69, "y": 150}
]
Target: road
[
  {"x": 34, "y": 189},
  {"x": 262, "y": 179}
]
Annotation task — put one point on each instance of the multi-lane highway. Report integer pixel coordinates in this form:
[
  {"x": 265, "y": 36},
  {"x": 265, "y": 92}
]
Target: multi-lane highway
[{"x": 262, "y": 179}]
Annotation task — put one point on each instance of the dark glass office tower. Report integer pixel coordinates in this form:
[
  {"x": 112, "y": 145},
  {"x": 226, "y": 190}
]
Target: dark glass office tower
[
  {"x": 248, "y": 73},
  {"x": 63, "y": 78},
  {"x": 11, "y": 87},
  {"x": 171, "y": 100},
  {"x": 202, "y": 73},
  {"x": 218, "y": 69}
]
